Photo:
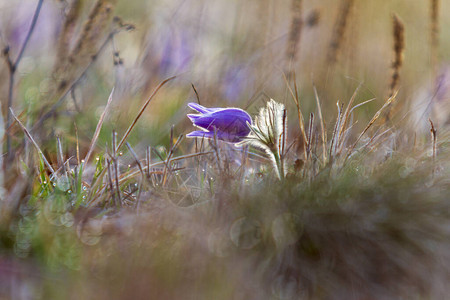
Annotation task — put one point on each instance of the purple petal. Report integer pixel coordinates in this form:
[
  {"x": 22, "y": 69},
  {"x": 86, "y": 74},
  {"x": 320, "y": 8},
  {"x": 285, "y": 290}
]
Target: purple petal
[
  {"x": 224, "y": 136},
  {"x": 204, "y": 122},
  {"x": 193, "y": 117},
  {"x": 198, "y": 107},
  {"x": 229, "y": 124},
  {"x": 199, "y": 133},
  {"x": 231, "y": 120}
]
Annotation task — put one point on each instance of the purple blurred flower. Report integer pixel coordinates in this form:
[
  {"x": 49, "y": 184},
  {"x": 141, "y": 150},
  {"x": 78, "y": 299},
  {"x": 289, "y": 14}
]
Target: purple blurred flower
[
  {"x": 229, "y": 124},
  {"x": 442, "y": 85},
  {"x": 17, "y": 23},
  {"x": 235, "y": 81},
  {"x": 176, "y": 53}
]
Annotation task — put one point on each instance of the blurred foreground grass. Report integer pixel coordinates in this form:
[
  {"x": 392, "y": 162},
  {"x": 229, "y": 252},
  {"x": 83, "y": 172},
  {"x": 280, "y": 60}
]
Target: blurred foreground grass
[{"x": 362, "y": 212}]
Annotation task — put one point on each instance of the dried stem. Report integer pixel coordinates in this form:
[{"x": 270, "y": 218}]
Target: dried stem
[
  {"x": 310, "y": 135},
  {"x": 301, "y": 121},
  {"x": 12, "y": 66},
  {"x": 434, "y": 16},
  {"x": 138, "y": 162},
  {"x": 294, "y": 35},
  {"x": 322, "y": 127},
  {"x": 67, "y": 31},
  {"x": 345, "y": 117},
  {"x": 433, "y": 142},
  {"x": 399, "y": 47},
  {"x": 372, "y": 121},
  {"x": 60, "y": 100},
  {"x": 115, "y": 162},
  {"x": 110, "y": 182},
  {"x": 99, "y": 127},
  {"x": 339, "y": 30},
  {"x": 27, "y": 133},
  {"x": 141, "y": 111}
]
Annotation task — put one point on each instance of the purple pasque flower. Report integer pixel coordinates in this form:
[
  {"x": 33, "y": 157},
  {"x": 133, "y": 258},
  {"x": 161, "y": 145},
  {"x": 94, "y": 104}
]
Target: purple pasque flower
[{"x": 228, "y": 124}]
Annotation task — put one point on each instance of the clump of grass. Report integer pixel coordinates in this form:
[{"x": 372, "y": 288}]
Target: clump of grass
[{"x": 316, "y": 233}]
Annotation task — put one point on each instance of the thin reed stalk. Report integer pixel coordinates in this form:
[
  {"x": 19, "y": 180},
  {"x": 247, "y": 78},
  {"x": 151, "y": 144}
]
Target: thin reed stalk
[
  {"x": 434, "y": 34},
  {"x": 301, "y": 120},
  {"x": 12, "y": 67},
  {"x": 371, "y": 122},
  {"x": 141, "y": 111},
  {"x": 27, "y": 133},
  {"x": 433, "y": 143},
  {"x": 99, "y": 127},
  {"x": 68, "y": 29},
  {"x": 339, "y": 30},
  {"x": 399, "y": 48},
  {"x": 295, "y": 30},
  {"x": 323, "y": 132}
]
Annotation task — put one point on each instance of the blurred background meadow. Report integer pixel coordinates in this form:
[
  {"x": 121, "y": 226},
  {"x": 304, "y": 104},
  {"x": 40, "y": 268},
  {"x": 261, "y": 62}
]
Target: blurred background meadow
[{"x": 102, "y": 196}]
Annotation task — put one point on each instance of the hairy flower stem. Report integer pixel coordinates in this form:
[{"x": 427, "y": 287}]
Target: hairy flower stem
[{"x": 279, "y": 164}]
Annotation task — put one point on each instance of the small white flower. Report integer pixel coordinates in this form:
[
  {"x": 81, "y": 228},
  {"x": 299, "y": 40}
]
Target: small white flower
[{"x": 268, "y": 132}]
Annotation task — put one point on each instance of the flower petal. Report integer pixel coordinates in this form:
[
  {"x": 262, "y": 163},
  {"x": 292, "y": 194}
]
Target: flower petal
[
  {"x": 228, "y": 124},
  {"x": 224, "y": 136},
  {"x": 193, "y": 117},
  {"x": 198, "y": 107},
  {"x": 231, "y": 120},
  {"x": 201, "y": 134}
]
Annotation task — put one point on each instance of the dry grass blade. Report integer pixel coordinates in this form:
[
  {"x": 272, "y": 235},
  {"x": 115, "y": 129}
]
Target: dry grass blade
[
  {"x": 346, "y": 115},
  {"x": 115, "y": 163},
  {"x": 110, "y": 182},
  {"x": 77, "y": 144},
  {"x": 310, "y": 134},
  {"x": 433, "y": 142},
  {"x": 301, "y": 121},
  {"x": 138, "y": 162},
  {"x": 61, "y": 163},
  {"x": 27, "y": 133},
  {"x": 99, "y": 127},
  {"x": 164, "y": 161},
  {"x": 376, "y": 140},
  {"x": 141, "y": 111},
  {"x": 283, "y": 135},
  {"x": 148, "y": 159},
  {"x": 374, "y": 118},
  {"x": 167, "y": 168},
  {"x": 196, "y": 93},
  {"x": 361, "y": 104},
  {"x": 97, "y": 188},
  {"x": 335, "y": 132},
  {"x": 322, "y": 126},
  {"x": 130, "y": 174}
]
